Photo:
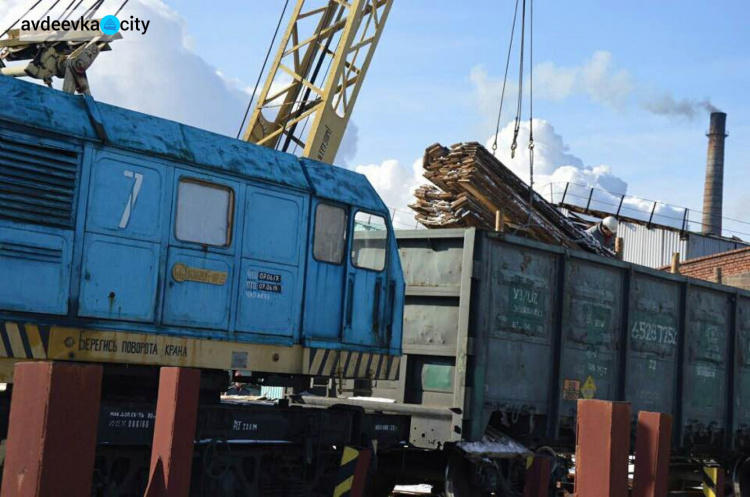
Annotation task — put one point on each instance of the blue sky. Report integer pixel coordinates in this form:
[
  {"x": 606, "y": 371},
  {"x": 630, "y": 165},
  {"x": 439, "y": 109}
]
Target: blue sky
[
  {"x": 419, "y": 89},
  {"x": 599, "y": 67}
]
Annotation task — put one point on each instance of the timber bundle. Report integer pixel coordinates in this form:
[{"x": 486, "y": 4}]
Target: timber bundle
[{"x": 473, "y": 186}]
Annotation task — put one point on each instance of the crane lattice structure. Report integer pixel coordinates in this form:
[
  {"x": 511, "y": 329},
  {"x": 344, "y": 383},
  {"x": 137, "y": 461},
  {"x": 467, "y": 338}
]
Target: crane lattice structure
[{"x": 317, "y": 75}]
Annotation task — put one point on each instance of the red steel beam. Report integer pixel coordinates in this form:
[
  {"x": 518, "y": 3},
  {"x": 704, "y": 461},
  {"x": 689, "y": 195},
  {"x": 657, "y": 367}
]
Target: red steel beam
[
  {"x": 602, "y": 446},
  {"x": 174, "y": 432},
  {"x": 51, "y": 443},
  {"x": 537, "y": 478},
  {"x": 653, "y": 443}
]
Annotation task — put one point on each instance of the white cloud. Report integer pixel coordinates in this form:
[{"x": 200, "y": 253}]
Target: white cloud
[
  {"x": 348, "y": 147},
  {"x": 555, "y": 167},
  {"x": 396, "y": 184},
  {"x": 597, "y": 78},
  {"x": 157, "y": 73}
]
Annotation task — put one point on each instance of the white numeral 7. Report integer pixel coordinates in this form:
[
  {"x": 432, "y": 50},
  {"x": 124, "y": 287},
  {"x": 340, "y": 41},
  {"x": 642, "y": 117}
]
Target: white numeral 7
[{"x": 132, "y": 198}]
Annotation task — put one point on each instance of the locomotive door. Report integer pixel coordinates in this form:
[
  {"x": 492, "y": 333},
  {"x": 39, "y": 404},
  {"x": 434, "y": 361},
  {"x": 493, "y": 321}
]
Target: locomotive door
[
  {"x": 122, "y": 245},
  {"x": 367, "y": 282},
  {"x": 202, "y": 244}
]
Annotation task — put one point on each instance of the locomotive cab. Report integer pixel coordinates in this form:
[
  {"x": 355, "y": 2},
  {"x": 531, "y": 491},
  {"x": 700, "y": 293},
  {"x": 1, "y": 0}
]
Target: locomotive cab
[{"x": 136, "y": 228}]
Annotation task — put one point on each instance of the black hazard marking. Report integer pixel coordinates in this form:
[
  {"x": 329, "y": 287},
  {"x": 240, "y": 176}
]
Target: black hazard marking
[
  {"x": 23, "y": 341},
  {"x": 351, "y": 364}
]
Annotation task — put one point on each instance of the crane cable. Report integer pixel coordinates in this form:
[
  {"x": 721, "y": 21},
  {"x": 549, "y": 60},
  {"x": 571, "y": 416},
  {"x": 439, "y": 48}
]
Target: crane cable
[
  {"x": 121, "y": 7},
  {"x": 22, "y": 16},
  {"x": 93, "y": 9},
  {"x": 73, "y": 10},
  {"x": 531, "y": 109},
  {"x": 54, "y": 4},
  {"x": 517, "y": 125},
  {"x": 519, "y": 101},
  {"x": 66, "y": 10},
  {"x": 505, "y": 78},
  {"x": 263, "y": 68}
]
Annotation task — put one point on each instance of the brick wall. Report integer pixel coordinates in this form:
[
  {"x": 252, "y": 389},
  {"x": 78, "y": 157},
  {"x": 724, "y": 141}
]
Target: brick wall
[{"x": 732, "y": 264}]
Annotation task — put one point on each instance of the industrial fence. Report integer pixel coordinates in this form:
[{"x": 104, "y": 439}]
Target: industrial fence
[{"x": 588, "y": 199}]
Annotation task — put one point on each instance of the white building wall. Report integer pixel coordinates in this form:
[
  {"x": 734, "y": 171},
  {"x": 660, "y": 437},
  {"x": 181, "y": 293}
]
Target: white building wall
[{"x": 653, "y": 247}]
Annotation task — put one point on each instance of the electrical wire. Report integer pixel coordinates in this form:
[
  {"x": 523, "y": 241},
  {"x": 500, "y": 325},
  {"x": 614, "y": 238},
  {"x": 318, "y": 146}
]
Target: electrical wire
[
  {"x": 263, "y": 68},
  {"x": 505, "y": 78},
  {"x": 24, "y": 15}
]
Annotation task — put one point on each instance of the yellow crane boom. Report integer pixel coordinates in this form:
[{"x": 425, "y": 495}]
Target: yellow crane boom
[{"x": 316, "y": 76}]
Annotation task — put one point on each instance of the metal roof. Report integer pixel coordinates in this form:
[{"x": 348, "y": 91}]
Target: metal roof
[{"x": 77, "y": 116}]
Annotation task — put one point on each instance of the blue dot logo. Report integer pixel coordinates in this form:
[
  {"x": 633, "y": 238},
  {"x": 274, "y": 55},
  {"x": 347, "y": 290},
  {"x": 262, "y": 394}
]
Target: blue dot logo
[{"x": 109, "y": 25}]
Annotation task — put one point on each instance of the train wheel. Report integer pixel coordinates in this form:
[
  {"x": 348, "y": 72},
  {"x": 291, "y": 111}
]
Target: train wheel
[{"x": 741, "y": 478}]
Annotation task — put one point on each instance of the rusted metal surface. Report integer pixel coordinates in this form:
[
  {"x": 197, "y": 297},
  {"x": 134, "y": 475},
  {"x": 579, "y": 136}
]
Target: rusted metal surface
[
  {"x": 174, "y": 432},
  {"x": 705, "y": 385},
  {"x": 654, "y": 321},
  {"x": 52, "y": 432},
  {"x": 360, "y": 473},
  {"x": 603, "y": 440},
  {"x": 593, "y": 305},
  {"x": 537, "y": 478},
  {"x": 714, "y": 188},
  {"x": 652, "y": 450}
]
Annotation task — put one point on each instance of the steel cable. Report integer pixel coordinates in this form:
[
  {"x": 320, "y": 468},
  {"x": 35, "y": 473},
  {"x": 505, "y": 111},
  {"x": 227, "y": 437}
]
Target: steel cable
[
  {"x": 73, "y": 10},
  {"x": 505, "y": 78},
  {"x": 48, "y": 10},
  {"x": 263, "y": 68},
  {"x": 66, "y": 9},
  {"x": 24, "y": 15}
]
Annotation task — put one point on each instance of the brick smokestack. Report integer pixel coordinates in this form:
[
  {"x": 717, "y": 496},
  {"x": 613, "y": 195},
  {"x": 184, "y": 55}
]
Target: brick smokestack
[{"x": 714, "y": 189}]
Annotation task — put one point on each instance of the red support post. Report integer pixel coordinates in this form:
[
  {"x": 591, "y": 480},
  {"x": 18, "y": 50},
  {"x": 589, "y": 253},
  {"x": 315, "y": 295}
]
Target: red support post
[
  {"x": 602, "y": 446},
  {"x": 352, "y": 478},
  {"x": 174, "y": 432},
  {"x": 54, "y": 416},
  {"x": 653, "y": 442},
  {"x": 537, "y": 478}
]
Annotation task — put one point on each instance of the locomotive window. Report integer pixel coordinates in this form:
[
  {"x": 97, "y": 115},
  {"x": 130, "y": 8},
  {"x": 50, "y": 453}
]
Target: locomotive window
[
  {"x": 369, "y": 242},
  {"x": 204, "y": 213},
  {"x": 330, "y": 234}
]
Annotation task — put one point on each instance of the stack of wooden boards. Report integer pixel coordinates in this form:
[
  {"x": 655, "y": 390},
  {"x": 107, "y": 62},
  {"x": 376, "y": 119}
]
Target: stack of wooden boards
[{"x": 474, "y": 189}]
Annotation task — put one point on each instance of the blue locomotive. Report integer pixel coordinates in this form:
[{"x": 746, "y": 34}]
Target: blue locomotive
[{"x": 126, "y": 238}]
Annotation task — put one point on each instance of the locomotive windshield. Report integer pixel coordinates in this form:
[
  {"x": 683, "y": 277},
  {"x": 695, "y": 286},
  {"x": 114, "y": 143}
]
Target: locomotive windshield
[{"x": 369, "y": 243}]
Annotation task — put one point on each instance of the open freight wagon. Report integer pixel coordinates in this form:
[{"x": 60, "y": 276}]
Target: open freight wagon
[{"x": 503, "y": 335}]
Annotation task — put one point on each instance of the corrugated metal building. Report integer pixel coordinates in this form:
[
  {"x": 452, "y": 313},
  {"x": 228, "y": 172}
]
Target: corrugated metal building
[{"x": 654, "y": 246}]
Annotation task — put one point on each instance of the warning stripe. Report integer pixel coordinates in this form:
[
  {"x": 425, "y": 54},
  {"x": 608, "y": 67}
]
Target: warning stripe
[
  {"x": 346, "y": 472},
  {"x": 23, "y": 341},
  {"x": 326, "y": 362},
  {"x": 710, "y": 478}
]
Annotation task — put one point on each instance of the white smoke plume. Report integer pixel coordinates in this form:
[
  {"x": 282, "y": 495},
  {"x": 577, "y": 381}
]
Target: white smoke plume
[
  {"x": 667, "y": 105},
  {"x": 597, "y": 78}
]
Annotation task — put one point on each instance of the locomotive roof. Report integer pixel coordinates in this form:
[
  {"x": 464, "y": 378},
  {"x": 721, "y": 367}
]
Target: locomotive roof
[{"x": 38, "y": 107}]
